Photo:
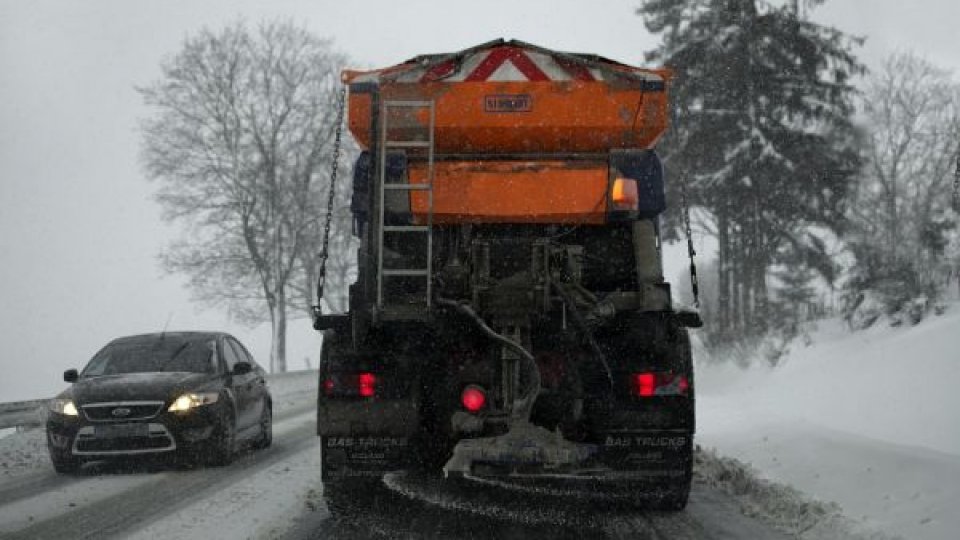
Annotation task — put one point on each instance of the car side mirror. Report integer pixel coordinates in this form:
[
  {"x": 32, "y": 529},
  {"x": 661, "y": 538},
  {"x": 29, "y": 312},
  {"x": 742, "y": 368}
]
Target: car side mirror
[
  {"x": 71, "y": 376},
  {"x": 242, "y": 368}
]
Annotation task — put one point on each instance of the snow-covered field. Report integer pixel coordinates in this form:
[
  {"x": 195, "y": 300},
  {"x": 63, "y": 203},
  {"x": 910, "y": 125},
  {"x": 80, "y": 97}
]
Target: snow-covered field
[{"x": 868, "y": 420}]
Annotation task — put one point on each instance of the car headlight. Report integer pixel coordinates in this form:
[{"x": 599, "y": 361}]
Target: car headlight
[
  {"x": 193, "y": 400},
  {"x": 63, "y": 406}
]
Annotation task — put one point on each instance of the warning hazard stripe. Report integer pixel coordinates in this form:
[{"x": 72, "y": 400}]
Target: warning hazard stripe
[
  {"x": 498, "y": 56},
  {"x": 577, "y": 72},
  {"x": 525, "y": 64},
  {"x": 440, "y": 71}
]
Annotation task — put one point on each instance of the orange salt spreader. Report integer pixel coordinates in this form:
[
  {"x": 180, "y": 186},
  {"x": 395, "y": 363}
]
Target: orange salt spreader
[
  {"x": 521, "y": 134},
  {"x": 510, "y": 319}
]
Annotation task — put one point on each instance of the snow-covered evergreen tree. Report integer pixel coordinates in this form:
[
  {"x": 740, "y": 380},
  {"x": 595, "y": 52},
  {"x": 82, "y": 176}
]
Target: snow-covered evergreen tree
[{"x": 761, "y": 133}]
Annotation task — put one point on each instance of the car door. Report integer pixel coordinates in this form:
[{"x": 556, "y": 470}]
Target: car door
[
  {"x": 238, "y": 384},
  {"x": 256, "y": 383}
]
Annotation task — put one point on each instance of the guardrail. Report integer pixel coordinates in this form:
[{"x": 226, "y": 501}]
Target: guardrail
[
  {"x": 34, "y": 412},
  {"x": 23, "y": 413}
]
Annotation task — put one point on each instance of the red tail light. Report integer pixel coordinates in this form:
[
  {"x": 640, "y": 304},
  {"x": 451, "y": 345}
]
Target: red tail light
[
  {"x": 473, "y": 398},
  {"x": 351, "y": 384},
  {"x": 659, "y": 383},
  {"x": 367, "y": 383}
]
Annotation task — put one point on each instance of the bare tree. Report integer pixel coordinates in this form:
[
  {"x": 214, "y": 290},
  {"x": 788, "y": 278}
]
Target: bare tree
[
  {"x": 914, "y": 121},
  {"x": 901, "y": 213},
  {"x": 241, "y": 142}
]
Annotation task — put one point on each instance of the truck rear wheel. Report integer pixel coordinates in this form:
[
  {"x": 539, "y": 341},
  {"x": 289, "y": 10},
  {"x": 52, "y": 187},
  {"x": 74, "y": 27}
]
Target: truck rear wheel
[
  {"x": 346, "y": 497},
  {"x": 676, "y": 493}
]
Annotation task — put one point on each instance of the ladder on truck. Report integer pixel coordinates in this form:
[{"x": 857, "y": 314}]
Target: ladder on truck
[{"x": 406, "y": 306}]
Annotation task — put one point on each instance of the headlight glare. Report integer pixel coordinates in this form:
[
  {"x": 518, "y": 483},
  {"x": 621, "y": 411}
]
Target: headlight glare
[
  {"x": 63, "y": 406},
  {"x": 192, "y": 400}
]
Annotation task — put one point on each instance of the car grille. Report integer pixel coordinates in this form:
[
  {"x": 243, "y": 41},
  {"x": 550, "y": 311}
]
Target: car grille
[
  {"x": 155, "y": 438},
  {"x": 122, "y": 411}
]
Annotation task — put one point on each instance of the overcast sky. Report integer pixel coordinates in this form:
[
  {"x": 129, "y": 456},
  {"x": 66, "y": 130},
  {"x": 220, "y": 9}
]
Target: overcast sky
[{"x": 79, "y": 233}]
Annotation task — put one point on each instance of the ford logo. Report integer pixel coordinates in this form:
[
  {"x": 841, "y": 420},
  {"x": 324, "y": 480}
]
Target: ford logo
[{"x": 121, "y": 411}]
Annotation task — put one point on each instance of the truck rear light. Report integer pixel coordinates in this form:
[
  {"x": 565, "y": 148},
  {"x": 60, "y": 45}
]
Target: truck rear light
[
  {"x": 366, "y": 384},
  {"x": 636, "y": 187},
  {"x": 473, "y": 398},
  {"x": 624, "y": 194},
  {"x": 659, "y": 383},
  {"x": 350, "y": 384}
]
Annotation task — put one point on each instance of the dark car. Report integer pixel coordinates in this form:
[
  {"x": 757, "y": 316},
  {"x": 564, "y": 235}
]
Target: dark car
[{"x": 192, "y": 395}]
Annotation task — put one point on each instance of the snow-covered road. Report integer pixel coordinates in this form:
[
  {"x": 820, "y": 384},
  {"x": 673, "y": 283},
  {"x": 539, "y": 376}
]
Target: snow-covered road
[
  {"x": 277, "y": 494},
  {"x": 825, "y": 448}
]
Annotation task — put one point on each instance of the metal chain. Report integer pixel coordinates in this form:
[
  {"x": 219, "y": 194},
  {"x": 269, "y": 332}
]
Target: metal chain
[
  {"x": 685, "y": 209},
  {"x": 956, "y": 185},
  {"x": 324, "y": 252}
]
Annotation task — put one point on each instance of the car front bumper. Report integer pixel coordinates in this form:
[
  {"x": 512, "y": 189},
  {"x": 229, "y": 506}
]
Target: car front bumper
[{"x": 164, "y": 433}]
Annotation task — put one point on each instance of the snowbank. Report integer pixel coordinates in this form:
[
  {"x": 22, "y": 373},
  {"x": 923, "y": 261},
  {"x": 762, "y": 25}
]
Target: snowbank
[{"x": 869, "y": 420}]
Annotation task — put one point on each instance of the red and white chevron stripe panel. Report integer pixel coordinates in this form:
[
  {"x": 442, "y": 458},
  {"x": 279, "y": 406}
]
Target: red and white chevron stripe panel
[{"x": 499, "y": 63}]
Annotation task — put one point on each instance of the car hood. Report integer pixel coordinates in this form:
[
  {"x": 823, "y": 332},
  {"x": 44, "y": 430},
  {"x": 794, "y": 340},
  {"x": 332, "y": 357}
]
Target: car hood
[{"x": 138, "y": 387}]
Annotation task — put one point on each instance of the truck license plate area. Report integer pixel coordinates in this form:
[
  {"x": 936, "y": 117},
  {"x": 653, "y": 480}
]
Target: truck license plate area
[
  {"x": 362, "y": 455},
  {"x": 626, "y": 450}
]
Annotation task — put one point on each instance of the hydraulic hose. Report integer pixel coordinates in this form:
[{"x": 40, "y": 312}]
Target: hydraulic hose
[
  {"x": 522, "y": 406},
  {"x": 582, "y": 325}
]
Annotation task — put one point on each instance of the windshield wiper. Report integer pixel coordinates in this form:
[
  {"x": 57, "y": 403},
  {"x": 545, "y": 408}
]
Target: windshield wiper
[{"x": 179, "y": 350}]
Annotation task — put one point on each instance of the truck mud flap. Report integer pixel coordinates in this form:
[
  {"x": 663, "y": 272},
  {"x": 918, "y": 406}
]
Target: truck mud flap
[
  {"x": 358, "y": 456},
  {"x": 657, "y": 455}
]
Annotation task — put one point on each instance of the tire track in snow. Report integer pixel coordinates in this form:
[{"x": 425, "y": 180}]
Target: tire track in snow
[{"x": 170, "y": 492}]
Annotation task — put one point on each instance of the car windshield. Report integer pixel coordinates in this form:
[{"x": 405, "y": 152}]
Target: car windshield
[{"x": 155, "y": 355}]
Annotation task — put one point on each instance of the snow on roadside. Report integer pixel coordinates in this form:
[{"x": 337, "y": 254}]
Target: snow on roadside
[
  {"x": 22, "y": 513},
  {"x": 22, "y": 453},
  {"x": 782, "y": 506},
  {"x": 262, "y": 505},
  {"x": 868, "y": 420}
]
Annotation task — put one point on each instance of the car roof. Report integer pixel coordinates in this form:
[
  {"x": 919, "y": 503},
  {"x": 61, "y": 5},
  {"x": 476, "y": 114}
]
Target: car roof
[{"x": 173, "y": 336}]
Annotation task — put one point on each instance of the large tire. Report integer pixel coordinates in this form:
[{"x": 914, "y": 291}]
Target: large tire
[
  {"x": 676, "y": 493},
  {"x": 346, "y": 498},
  {"x": 223, "y": 448},
  {"x": 266, "y": 428},
  {"x": 65, "y": 464}
]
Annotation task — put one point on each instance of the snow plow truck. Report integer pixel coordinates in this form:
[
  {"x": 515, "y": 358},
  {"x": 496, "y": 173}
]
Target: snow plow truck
[{"x": 510, "y": 319}]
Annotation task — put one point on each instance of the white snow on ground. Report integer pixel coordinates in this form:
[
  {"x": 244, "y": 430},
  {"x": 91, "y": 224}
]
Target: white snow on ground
[
  {"x": 780, "y": 505},
  {"x": 292, "y": 389},
  {"x": 868, "y": 420},
  {"x": 22, "y": 513},
  {"x": 22, "y": 453},
  {"x": 262, "y": 505}
]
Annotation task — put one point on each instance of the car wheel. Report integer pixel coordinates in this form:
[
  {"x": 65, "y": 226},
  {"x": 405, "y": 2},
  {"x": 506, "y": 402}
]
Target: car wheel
[
  {"x": 222, "y": 451},
  {"x": 65, "y": 465},
  {"x": 266, "y": 429}
]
